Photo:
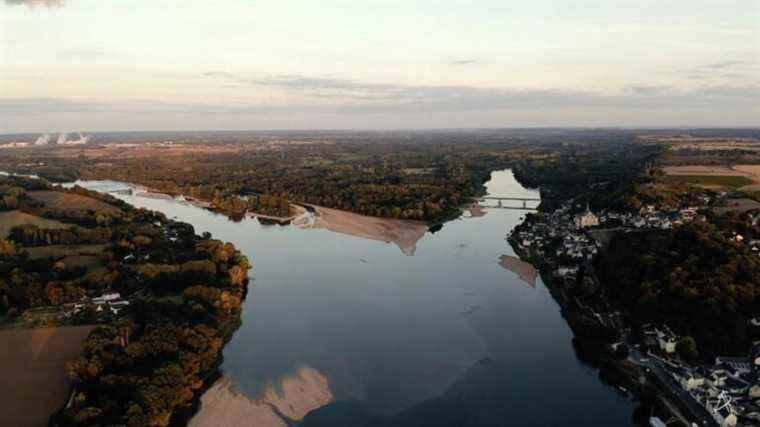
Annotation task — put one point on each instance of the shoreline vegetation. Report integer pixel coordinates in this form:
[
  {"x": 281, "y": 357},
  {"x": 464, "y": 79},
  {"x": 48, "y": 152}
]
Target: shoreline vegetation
[
  {"x": 161, "y": 301},
  {"x": 693, "y": 253},
  {"x": 392, "y": 191}
]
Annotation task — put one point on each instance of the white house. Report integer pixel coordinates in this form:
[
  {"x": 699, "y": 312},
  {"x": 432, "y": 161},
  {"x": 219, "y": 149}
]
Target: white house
[
  {"x": 666, "y": 339},
  {"x": 106, "y": 298},
  {"x": 689, "y": 381}
]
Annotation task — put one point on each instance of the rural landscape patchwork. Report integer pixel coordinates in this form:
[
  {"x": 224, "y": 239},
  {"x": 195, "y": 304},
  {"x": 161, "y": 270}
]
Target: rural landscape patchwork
[{"x": 379, "y": 215}]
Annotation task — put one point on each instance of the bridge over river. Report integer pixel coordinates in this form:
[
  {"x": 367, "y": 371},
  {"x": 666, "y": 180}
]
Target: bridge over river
[{"x": 501, "y": 201}]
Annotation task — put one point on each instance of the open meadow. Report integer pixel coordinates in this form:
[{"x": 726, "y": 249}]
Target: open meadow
[
  {"x": 709, "y": 176},
  {"x": 67, "y": 202},
  {"x": 11, "y": 219}
]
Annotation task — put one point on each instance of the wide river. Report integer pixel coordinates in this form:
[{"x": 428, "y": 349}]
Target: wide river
[{"x": 358, "y": 328}]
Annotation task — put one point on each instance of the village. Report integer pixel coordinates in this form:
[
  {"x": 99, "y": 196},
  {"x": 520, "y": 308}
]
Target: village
[{"x": 725, "y": 393}]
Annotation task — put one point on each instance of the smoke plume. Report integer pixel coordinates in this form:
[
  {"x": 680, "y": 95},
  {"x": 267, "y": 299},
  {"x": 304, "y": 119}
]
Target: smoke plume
[{"x": 43, "y": 140}]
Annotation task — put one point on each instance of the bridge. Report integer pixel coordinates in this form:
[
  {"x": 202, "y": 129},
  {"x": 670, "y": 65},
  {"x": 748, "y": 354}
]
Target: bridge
[{"x": 524, "y": 201}]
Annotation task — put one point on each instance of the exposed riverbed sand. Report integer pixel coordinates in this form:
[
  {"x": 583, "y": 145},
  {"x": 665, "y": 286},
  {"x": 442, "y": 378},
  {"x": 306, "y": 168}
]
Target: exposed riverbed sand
[
  {"x": 524, "y": 270},
  {"x": 403, "y": 233},
  {"x": 294, "y": 397}
]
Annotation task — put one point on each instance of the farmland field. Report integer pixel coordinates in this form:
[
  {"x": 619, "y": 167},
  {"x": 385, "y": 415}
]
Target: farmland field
[
  {"x": 745, "y": 176},
  {"x": 10, "y": 219},
  {"x": 62, "y": 251},
  {"x": 710, "y": 180},
  {"x": 67, "y": 202},
  {"x": 32, "y": 372}
]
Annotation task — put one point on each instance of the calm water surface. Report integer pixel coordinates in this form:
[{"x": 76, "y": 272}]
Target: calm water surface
[{"x": 446, "y": 331}]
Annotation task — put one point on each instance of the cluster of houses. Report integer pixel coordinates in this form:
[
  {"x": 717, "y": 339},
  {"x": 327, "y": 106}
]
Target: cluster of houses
[
  {"x": 649, "y": 217},
  {"x": 752, "y": 244},
  {"x": 565, "y": 238},
  {"x": 729, "y": 389},
  {"x": 111, "y": 302},
  {"x": 560, "y": 235}
]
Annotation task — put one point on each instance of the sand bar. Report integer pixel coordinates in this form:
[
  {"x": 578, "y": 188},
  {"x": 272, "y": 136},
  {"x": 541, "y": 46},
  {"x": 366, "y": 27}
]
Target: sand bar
[
  {"x": 223, "y": 405},
  {"x": 525, "y": 271},
  {"x": 403, "y": 233}
]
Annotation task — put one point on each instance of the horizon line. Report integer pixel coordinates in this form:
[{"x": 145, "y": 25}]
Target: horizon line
[{"x": 411, "y": 129}]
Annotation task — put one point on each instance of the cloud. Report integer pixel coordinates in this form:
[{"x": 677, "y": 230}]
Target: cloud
[
  {"x": 647, "y": 90},
  {"x": 725, "y": 64},
  {"x": 363, "y": 96},
  {"x": 732, "y": 69},
  {"x": 464, "y": 62},
  {"x": 86, "y": 53},
  {"x": 352, "y": 99},
  {"x": 35, "y": 3}
]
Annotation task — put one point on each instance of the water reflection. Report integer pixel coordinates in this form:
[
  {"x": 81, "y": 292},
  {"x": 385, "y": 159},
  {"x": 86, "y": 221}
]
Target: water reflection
[{"x": 448, "y": 334}]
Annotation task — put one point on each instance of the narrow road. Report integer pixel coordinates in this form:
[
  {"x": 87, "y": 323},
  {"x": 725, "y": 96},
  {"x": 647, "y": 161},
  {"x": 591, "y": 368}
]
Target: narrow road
[{"x": 655, "y": 370}]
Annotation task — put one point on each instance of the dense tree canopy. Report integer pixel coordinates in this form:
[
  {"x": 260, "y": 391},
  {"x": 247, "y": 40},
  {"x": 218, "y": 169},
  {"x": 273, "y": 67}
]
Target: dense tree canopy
[{"x": 692, "y": 278}]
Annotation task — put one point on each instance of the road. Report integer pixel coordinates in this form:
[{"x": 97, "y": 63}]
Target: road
[{"x": 654, "y": 368}]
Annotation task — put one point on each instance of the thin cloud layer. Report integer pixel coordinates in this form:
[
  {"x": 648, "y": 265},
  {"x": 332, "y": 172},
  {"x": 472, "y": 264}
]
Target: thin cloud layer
[
  {"x": 35, "y": 3},
  {"x": 725, "y": 64},
  {"x": 733, "y": 69},
  {"x": 383, "y": 97},
  {"x": 357, "y": 98},
  {"x": 464, "y": 62}
]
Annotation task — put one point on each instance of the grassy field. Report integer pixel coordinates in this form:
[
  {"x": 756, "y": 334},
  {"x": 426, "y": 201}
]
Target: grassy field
[
  {"x": 70, "y": 202},
  {"x": 737, "y": 205},
  {"x": 32, "y": 374},
  {"x": 709, "y": 180},
  {"x": 10, "y": 219},
  {"x": 62, "y": 251}
]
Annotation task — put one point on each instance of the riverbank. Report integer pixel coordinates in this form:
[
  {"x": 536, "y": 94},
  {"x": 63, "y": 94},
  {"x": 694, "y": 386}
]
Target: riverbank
[{"x": 370, "y": 320}]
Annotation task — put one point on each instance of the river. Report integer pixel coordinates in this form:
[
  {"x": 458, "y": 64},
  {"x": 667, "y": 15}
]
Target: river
[{"x": 358, "y": 328}]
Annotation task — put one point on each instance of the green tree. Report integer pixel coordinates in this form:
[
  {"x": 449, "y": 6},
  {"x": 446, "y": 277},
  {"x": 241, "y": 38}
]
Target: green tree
[{"x": 687, "y": 349}]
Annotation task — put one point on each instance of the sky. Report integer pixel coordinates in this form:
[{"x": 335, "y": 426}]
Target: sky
[{"x": 116, "y": 65}]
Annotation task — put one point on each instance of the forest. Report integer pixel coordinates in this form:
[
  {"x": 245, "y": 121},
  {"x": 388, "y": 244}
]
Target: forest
[
  {"x": 696, "y": 278},
  {"x": 147, "y": 362},
  {"x": 693, "y": 278},
  {"x": 426, "y": 178},
  {"x": 601, "y": 173}
]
